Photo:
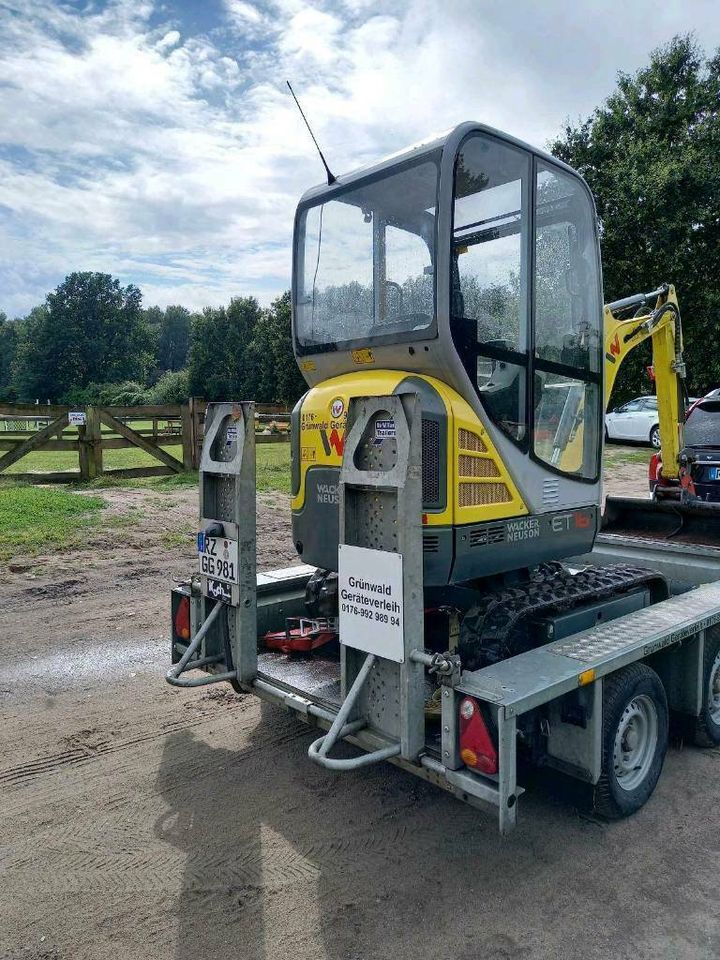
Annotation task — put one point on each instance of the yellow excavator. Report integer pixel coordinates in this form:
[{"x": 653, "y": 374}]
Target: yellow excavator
[
  {"x": 675, "y": 509},
  {"x": 467, "y": 271},
  {"x": 652, "y": 316}
]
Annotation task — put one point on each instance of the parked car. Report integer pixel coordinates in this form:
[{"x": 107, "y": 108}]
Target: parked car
[
  {"x": 700, "y": 455},
  {"x": 635, "y": 420}
]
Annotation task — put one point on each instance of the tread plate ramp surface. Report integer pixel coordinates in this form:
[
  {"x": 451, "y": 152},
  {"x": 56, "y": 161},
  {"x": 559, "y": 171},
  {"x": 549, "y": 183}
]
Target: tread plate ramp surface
[{"x": 679, "y": 615}]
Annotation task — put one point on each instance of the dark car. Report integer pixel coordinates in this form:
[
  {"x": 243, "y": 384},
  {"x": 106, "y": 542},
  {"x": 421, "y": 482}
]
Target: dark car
[{"x": 700, "y": 456}]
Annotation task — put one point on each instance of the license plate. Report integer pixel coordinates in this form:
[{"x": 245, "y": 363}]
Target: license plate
[
  {"x": 218, "y": 558},
  {"x": 714, "y": 473}
]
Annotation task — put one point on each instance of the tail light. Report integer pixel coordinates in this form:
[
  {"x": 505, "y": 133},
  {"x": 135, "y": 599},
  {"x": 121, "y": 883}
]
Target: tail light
[
  {"x": 477, "y": 749},
  {"x": 654, "y": 471},
  {"x": 182, "y": 619},
  {"x": 654, "y": 468}
]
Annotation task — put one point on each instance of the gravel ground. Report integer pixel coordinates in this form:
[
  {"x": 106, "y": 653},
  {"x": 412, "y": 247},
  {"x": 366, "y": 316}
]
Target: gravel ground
[{"x": 141, "y": 821}]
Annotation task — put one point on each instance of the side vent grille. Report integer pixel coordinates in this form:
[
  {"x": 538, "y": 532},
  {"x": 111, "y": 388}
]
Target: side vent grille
[
  {"x": 481, "y": 494},
  {"x": 431, "y": 543},
  {"x": 483, "y": 469},
  {"x": 467, "y": 440},
  {"x": 430, "y": 462},
  {"x": 486, "y": 536},
  {"x": 476, "y": 467},
  {"x": 551, "y": 493}
]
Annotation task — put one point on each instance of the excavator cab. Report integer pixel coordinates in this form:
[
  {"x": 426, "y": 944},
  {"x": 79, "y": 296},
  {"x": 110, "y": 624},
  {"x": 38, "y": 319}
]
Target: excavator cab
[{"x": 465, "y": 270}]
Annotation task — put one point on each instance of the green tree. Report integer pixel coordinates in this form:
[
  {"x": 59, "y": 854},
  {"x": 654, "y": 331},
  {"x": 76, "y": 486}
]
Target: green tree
[
  {"x": 221, "y": 364},
  {"x": 9, "y": 336},
  {"x": 89, "y": 330},
  {"x": 651, "y": 155},
  {"x": 173, "y": 340},
  {"x": 278, "y": 379},
  {"x": 172, "y": 387}
]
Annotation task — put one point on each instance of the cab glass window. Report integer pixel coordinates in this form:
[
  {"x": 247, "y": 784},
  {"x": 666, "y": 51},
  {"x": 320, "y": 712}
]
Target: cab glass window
[
  {"x": 365, "y": 262},
  {"x": 567, "y": 304},
  {"x": 489, "y": 303},
  {"x": 567, "y": 325}
]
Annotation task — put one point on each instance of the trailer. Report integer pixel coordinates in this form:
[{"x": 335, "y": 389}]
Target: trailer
[{"x": 599, "y": 686}]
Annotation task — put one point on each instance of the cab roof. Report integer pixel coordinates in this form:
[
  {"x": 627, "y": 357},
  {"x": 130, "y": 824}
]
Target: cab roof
[{"x": 451, "y": 138}]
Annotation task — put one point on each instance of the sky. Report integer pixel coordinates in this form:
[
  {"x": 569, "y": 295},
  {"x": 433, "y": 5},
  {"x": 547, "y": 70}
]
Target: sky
[{"x": 156, "y": 141}]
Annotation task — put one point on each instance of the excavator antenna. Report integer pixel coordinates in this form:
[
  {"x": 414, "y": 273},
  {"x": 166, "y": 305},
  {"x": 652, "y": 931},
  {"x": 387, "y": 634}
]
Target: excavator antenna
[{"x": 331, "y": 178}]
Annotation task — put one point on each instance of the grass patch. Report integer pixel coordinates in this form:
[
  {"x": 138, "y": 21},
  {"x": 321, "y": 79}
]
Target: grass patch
[
  {"x": 122, "y": 520},
  {"x": 174, "y": 538},
  {"x": 273, "y": 467},
  {"x": 33, "y": 518},
  {"x": 616, "y": 458},
  {"x": 173, "y": 480}
]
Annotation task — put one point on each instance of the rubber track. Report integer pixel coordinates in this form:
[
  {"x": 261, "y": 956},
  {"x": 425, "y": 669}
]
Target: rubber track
[{"x": 552, "y": 588}]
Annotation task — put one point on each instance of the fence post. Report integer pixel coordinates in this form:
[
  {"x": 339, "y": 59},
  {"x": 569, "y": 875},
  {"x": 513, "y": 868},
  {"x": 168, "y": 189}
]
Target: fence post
[
  {"x": 197, "y": 406},
  {"x": 90, "y": 446},
  {"x": 84, "y": 451},
  {"x": 187, "y": 436},
  {"x": 94, "y": 435}
]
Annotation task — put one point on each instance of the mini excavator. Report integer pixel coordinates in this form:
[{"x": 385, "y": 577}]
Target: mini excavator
[{"x": 467, "y": 271}]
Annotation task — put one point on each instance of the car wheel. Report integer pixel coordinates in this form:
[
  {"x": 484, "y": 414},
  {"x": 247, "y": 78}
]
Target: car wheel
[
  {"x": 635, "y": 740},
  {"x": 655, "y": 437}
]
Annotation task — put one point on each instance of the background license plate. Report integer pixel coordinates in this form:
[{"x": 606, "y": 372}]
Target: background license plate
[
  {"x": 714, "y": 473},
  {"x": 218, "y": 558}
]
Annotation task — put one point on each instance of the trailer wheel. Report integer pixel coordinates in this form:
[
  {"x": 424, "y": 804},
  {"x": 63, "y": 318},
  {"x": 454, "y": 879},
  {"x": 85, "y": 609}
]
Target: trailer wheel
[
  {"x": 707, "y": 725},
  {"x": 635, "y": 740}
]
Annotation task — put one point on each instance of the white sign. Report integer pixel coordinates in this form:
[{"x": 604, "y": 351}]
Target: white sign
[
  {"x": 76, "y": 418},
  {"x": 385, "y": 430},
  {"x": 232, "y": 435},
  {"x": 370, "y": 583}
]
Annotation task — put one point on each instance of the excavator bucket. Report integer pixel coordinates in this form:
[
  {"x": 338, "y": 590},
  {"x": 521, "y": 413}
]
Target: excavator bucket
[{"x": 683, "y": 522}]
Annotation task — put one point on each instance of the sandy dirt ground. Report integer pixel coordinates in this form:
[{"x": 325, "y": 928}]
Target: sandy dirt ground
[{"x": 140, "y": 821}]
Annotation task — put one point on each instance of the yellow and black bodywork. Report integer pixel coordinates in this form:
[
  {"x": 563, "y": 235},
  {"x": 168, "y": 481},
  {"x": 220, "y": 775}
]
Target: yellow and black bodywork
[
  {"x": 466, "y": 271},
  {"x": 473, "y": 517},
  {"x": 464, "y": 480}
]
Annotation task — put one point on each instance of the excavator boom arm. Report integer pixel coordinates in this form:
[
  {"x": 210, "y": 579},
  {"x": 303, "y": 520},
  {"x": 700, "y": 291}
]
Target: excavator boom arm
[{"x": 660, "y": 323}]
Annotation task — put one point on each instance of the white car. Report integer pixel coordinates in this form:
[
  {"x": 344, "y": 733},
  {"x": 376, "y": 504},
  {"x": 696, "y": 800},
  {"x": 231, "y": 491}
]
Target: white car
[{"x": 635, "y": 420}]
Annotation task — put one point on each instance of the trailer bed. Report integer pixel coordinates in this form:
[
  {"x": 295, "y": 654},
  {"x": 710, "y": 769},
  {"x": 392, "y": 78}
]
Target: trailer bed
[{"x": 315, "y": 677}]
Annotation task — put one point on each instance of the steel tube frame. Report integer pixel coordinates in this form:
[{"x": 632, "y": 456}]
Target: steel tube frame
[
  {"x": 319, "y": 749},
  {"x": 174, "y": 672}
]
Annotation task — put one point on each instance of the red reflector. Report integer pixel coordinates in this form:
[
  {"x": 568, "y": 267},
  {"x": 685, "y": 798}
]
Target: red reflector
[
  {"x": 182, "y": 619},
  {"x": 477, "y": 749}
]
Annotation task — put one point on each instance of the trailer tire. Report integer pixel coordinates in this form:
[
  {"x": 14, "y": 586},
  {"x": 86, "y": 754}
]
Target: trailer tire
[
  {"x": 707, "y": 725},
  {"x": 634, "y": 740}
]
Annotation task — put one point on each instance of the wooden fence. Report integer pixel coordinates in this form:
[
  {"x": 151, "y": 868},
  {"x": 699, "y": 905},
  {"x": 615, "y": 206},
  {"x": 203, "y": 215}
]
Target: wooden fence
[{"x": 91, "y": 431}]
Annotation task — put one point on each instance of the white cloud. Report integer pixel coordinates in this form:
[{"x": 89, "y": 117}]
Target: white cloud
[
  {"x": 174, "y": 158},
  {"x": 171, "y": 39},
  {"x": 242, "y": 13}
]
